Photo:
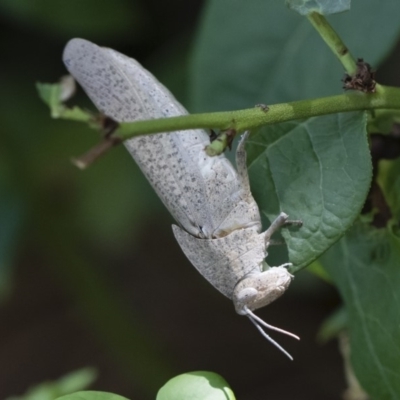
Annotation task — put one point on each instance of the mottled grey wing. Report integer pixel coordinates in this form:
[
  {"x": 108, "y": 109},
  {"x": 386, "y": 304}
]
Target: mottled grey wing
[
  {"x": 123, "y": 90},
  {"x": 199, "y": 191},
  {"x": 224, "y": 261}
]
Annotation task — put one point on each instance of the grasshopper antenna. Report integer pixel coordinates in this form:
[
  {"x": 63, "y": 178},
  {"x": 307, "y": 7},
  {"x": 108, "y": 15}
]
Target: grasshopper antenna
[{"x": 258, "y": 322}]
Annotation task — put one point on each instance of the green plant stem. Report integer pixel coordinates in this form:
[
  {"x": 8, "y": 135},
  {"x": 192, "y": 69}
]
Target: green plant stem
[
  {"x": 241, "y": 120},
  {"x": 333, "y": 40}
]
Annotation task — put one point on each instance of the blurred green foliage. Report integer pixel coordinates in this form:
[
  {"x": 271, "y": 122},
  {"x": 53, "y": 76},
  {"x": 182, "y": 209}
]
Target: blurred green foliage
[
  {"x": 196, "y": 385},
  {"x": 35, "y": 170},
  {"x": 259, "y": 53},
  {"x": 79, "y": 18},
  {"x": 74, "y": 381},
  {"x": 45, "y": 202},
  {"x": 324, "y": 7},
  {"x": 92, "y": 395},
  {"x": 297, "y": 64}
]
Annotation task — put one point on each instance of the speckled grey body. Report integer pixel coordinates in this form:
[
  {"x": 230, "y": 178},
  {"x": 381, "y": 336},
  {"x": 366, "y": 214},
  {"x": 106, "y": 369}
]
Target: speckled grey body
[
  {"x": 219, "y": 220},
  {"x": 202, "y": 193}
]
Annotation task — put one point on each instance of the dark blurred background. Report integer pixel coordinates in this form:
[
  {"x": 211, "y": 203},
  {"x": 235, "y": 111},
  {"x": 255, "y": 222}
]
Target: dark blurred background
[{"x": 90, "y": 274}]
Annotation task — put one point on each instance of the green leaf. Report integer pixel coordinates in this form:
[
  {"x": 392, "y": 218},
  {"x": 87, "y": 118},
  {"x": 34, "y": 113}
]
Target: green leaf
[
  {"x": 382, "y": 121},
  {"x": 263, "y": 53},
  {"x": 317, "y": 269},
  {"x": 74, "y": 381},
  {"x": 318, "y": 171},
  {"x": 365, "y": 267},
  {"x": 200, "y": 385},
  {"x": 324, "y": 7},
  {"x": 52, "y": 95},
  {"x": 389, "y": 180},
  {"x": 77, "y": 380},
  {"x": 92, "y": 395},
  {"x": 333, "y": 325}
]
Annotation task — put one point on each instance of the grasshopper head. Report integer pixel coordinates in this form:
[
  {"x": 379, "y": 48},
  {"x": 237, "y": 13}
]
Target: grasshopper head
[{"x": 258, "y": 290}]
